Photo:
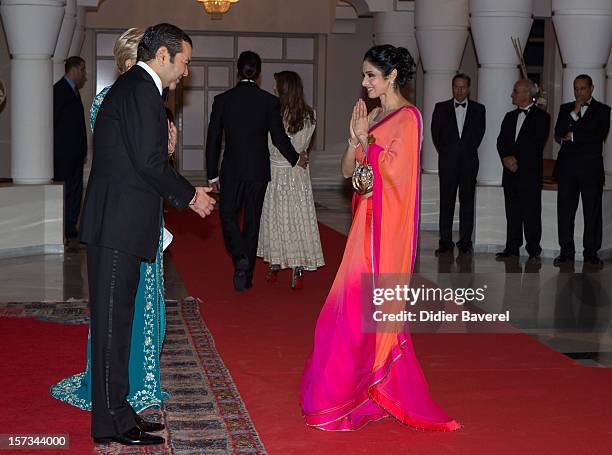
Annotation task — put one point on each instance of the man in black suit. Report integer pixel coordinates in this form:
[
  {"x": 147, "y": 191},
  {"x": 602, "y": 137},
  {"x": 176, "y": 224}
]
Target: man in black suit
[
  {"x": 457, "y": 128},
  {"x": 70, "y": 140},
  {"x": 130, "y": 178},
  {"x": 246, "y": 114},
  {"x": 520, "y": 144},
  {"x": 582, "y": 127}
]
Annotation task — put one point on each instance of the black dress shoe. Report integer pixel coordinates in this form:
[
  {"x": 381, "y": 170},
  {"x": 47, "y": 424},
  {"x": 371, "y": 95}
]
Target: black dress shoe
[
  {"x": 133, "y": 437},
  {"x": 534, "y": 259},
  {"x": 240, "y": 280},
  {"x": 443, "y": 250},
  {"x": 593, "y": 260},
  {"x": 146, "y": 426},
  {"x": 506, "y": 255},
  {"x": 562, "y": 259},
  {"x": 465, "y": 249}
]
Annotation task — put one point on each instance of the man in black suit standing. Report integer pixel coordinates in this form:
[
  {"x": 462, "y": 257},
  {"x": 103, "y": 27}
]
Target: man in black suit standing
[
  {"x": 582, "y": 127},
  {"x": 122, "y": 215},
  {"x": 246, "y": 114},
  {"x": 520, "y": 144},
  {"x": 70, "y": 140},
  {"x": 457, "y": 128}
]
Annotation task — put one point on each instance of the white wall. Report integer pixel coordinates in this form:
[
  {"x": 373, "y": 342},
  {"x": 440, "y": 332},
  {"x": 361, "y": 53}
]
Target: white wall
[
  {"x": 344, "y": 60},
  {"x": 5, "y": 109}
]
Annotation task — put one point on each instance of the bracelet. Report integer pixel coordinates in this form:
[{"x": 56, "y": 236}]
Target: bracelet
[
  {"x": 354, "y": 146},
  {"x": 195, "y": 198}
]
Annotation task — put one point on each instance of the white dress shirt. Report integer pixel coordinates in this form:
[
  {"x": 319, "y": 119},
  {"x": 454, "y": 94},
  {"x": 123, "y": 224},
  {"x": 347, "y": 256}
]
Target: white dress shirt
[
  {"x": 520, "y": 119},
  {"x": 153, "y": 74},
  {"x": 460, "y": 114}
]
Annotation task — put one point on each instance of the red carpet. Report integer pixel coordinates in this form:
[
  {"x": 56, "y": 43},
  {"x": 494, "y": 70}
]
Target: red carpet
[
  {"x": 512, "y": 394},
  {"x": 34, "y": 356}
]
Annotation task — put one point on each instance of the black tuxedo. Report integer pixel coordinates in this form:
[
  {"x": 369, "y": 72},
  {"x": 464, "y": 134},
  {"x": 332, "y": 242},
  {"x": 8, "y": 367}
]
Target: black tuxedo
[
  {"x": 245, "y": 115},
  {"x": 457, "y": 166},
  {"x": 121, "y": 222},
  {"x": 523, "y": 188},
  {"x": 580, "y": 173},
  {"x": 69, "y": 150}
]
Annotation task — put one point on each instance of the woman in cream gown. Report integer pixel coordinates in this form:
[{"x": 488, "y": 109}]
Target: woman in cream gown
[{"x": 289, "y": 234}]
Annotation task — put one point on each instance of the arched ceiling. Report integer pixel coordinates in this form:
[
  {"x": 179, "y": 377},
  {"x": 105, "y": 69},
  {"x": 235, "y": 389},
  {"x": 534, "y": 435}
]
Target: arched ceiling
[{"x": 361, "y": 6}]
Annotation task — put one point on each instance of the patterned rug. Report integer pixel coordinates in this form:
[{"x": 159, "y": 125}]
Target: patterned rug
[{"x": 205, "y": 413}]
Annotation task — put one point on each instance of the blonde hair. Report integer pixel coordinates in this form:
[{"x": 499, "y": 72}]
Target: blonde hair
[{"x": 126, "y": 47}]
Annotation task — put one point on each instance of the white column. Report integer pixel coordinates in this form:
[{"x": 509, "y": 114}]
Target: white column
[
  {"x": 397, "y": 28},
  {"x": 584, "y": 33},
  {"x": 64, "y": 39},
  {"x": 79, "y": 32},
  {"x": 441, "y": 32},
  {"x": 608, "y": 145},
  {"x": 32, "y": 28},
  {"x": 493, "y": 23}
]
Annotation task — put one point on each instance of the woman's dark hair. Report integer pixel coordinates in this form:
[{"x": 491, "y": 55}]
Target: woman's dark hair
[
  {"x": 293, "y": 107},
  {"x": 162, "y": 35},
  {"x": 249, "y": 65},
  {"x": 387, "y": 58}
]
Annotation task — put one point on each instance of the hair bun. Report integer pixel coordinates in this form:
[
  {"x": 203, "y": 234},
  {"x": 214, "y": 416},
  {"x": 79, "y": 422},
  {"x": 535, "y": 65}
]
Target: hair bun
[
  {"x": 388, "y": 58},
  {"x": 404, "y": 63}
]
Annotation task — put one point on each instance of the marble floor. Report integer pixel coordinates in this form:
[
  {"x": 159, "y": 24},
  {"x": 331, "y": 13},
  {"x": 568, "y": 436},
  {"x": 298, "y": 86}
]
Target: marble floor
[{"x": 569, "y": 310}]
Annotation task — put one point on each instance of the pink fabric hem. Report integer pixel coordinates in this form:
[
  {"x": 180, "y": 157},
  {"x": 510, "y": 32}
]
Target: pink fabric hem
[{"x": 337, "y": 418}]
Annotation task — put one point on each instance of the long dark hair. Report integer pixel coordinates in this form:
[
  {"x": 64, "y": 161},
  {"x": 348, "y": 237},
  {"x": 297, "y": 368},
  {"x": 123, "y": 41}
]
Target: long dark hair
[{"x": 293, "y": 107}]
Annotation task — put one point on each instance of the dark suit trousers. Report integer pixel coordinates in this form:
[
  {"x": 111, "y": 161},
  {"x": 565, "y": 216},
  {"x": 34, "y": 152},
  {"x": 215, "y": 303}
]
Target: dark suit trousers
[
  {"x": 72, "y": 175},
  {"x": 453, "y": 177},
  {"x": 590, "y": 189},
  {"x": 113, "y": 281},
  {"x": 523, "y": 213},
  {"x": 248, "y": 197}
]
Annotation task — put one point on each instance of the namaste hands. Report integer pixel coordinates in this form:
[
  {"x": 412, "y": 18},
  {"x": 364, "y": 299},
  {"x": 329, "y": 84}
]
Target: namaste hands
[{"x": 358, "y": 126}]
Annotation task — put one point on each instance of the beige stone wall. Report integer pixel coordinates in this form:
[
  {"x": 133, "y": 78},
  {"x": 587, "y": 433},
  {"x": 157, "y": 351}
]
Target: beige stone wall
[
  {"x": 5, "y": 109},
  {"x": 344, "y": 60},
  {"x": 339, "y": 64},
  {"x": 270, "y": 16}
]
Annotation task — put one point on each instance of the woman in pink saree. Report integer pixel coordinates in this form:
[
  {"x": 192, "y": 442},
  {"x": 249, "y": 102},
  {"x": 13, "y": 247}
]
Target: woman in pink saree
[{"x": 361, "y": 372}]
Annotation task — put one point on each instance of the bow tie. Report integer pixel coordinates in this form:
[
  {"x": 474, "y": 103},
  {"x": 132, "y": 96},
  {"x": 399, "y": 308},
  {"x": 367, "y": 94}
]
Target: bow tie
[
  {"x": 460, "y": 105},
  {"x": 586, "y": 105},
  {"x": 523, "y": 111}
]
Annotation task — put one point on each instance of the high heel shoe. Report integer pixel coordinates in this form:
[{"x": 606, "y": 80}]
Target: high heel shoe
[
  {"x": 297, "y": 278},
  {"x": 272, "y": 274}
]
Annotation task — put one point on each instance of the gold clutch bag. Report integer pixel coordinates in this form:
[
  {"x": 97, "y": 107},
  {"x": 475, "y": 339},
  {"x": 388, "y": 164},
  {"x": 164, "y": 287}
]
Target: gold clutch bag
[
  {"x": 363, "y": 178},
  {"x": 363, "y": 175}
]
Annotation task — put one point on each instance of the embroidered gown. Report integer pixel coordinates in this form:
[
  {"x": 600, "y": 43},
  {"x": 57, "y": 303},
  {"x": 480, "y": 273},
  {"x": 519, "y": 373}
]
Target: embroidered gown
[
  {"x": 288, "y": 233},
  {"x": 148, "y": 331},
  {"x": 361, "y": 371}
]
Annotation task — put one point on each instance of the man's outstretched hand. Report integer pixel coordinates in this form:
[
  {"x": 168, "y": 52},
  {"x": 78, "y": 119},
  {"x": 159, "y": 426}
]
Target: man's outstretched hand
[{"x": 202, "y": 203}]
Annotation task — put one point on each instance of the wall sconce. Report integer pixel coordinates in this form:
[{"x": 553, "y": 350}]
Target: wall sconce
[{"x": 217, "y": 8}]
